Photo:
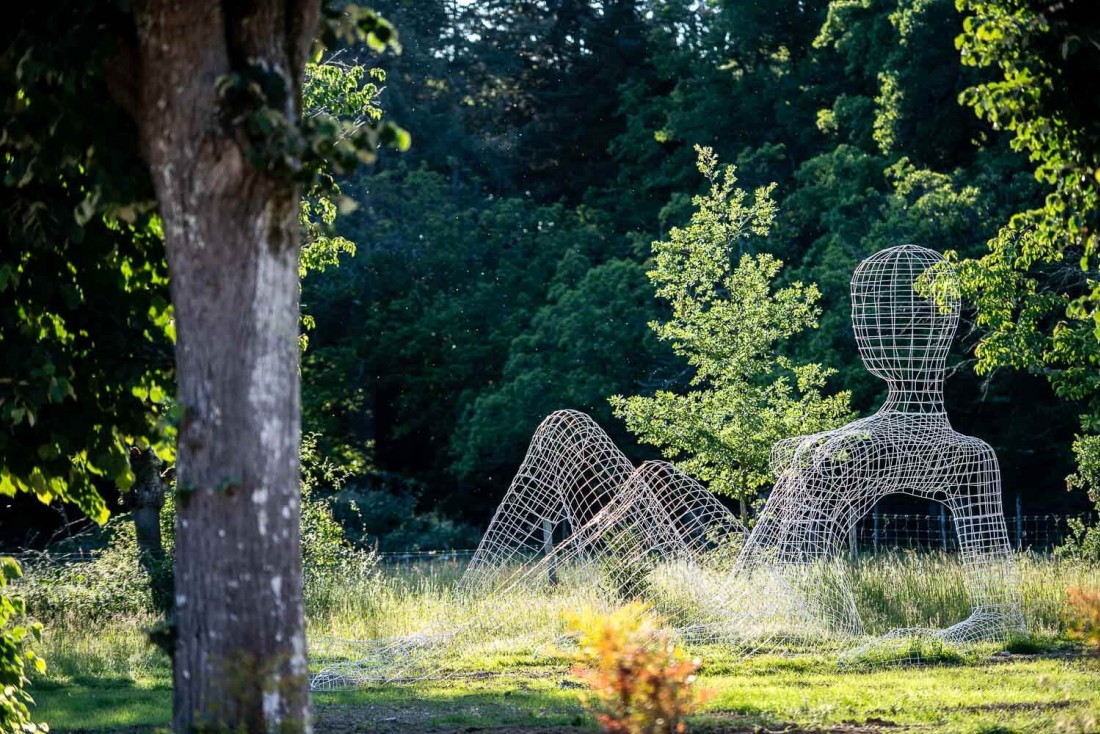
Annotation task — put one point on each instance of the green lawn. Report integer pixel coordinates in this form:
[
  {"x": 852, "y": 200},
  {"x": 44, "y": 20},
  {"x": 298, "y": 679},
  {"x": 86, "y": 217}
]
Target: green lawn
[
  {"x": 1056, "y": 692},
  {"x": 104, "y": 676}
]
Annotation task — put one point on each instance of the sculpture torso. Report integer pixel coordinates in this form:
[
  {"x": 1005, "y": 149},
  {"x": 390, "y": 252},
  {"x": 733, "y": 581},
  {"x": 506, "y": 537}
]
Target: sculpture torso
[{"x": 905, "y": 309}]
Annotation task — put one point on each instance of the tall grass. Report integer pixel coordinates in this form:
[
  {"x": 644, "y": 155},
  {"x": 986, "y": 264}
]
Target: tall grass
[
  {"x": 376, "y": 603},
  {"x": 930, "y": 590},
  {"x": 91, "y": 654}
]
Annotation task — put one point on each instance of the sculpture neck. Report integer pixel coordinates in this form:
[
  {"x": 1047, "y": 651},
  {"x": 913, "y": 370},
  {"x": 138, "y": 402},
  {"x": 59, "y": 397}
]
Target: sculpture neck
[{"x": 920, "y": 397}]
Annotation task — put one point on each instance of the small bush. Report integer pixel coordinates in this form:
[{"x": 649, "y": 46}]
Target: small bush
[
  {"x": 1085, "y": 621},
  {"x": 1019, "y": 643},
  {"x": 15, "y": 655},
  {"x": 1083, "y": 542},
  {"x": 640, "y": 682},
  {"x": 377, "y": 512},
  {"x": 111, "y": 584}
]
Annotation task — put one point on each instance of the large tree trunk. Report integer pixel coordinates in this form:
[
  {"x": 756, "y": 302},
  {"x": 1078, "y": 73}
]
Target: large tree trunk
[
  {"x": 231, "y": 236},
  {"x": 240, "y": 652}
]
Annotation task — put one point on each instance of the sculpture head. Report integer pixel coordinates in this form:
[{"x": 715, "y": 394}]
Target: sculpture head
[{"x": 905, "y": 309}]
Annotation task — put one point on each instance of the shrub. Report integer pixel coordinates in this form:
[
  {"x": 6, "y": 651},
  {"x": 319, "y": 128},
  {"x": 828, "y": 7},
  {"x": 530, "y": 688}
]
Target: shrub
[
  {"x": 376, "y": 511},
  {"x": 15, "y": 655},
  {"x": 382, "y": 511},
  {"x": 1085, "y": 622},
  {"x": 1082, "y": 543},
  {"x": 639, "y": 681},
  {"x": 111, "y": 584},
  {"x": 1020, "y": 643}
]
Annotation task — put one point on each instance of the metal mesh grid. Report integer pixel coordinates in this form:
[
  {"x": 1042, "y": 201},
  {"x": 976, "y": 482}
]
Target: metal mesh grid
[{"x": 579, "y": 521}]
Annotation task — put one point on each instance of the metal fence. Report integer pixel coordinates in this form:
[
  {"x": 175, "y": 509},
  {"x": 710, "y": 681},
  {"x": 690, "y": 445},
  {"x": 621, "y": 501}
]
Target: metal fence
[
  {"x": 878, "y": 531},
  {"x": 456, "y": 556},
  {"x": 50, "y": 558}
]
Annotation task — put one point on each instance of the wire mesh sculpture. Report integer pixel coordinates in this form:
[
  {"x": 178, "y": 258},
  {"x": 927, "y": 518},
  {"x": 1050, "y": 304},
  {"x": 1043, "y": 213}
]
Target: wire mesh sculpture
[
  {"x": 905, "y": 310},
  {"x": 650, "y": 532},
  {"x": 580, "y": 522}
]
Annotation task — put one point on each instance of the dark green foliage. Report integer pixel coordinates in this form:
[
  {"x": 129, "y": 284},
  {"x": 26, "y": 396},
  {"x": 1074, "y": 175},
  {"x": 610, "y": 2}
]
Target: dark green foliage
[
  {"x": 500, "y": 269},
  {"x": 426, "y": 315},
  {"x": 378, "y": 516},
  {"x": 464, "y": 318},
  {"x": 85, "y": 328},
  {"x": 1019, "y": 643},
  {"x": 589, "y": 340}
]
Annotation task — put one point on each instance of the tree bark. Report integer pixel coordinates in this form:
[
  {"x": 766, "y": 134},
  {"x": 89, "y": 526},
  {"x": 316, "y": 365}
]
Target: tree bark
[
  {"x": 145, "y": 500},
  {"x": 232, "y": 241}
]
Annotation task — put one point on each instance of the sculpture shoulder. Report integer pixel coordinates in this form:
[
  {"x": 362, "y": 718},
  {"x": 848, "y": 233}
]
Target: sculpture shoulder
[{"x": 973, "y": 446}]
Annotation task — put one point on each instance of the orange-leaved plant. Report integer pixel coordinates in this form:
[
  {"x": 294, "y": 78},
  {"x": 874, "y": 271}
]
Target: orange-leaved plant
[
  {"x": 639, "y": 681},
  {"x": 1085, "y": 619}
]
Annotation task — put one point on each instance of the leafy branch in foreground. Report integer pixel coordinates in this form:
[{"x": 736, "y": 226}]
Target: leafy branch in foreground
[
  {"x": 1037, "y": 290},
  {"x": 16, "y": 655}
]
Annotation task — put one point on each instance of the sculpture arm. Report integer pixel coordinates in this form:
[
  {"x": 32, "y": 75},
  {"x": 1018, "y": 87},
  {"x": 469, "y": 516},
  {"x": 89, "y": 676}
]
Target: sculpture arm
[{"x": 985, "y": 550}]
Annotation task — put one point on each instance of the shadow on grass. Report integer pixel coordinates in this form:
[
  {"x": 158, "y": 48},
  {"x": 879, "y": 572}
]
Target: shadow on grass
[{"x": 113, "y": 704}]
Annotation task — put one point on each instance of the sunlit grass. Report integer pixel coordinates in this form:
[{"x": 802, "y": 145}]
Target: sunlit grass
[
  {"x": 106, "y": 674},
  {"x": 929, "y": 590}
]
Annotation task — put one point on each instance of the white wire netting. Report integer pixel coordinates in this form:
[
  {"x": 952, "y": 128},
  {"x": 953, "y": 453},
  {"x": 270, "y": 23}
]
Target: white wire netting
[{"x": 581, "y": 527}]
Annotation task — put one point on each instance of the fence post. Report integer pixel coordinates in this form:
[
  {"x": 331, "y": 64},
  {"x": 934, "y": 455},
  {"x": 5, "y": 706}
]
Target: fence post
[
  {"x": 548, "y": 549},
  {"x": 1019, "y": 523},
  {"x": 874, "y": 515},
  {"x": 933, "y": 512},
  {"x": 853, "y": 542},
  {"x": 943, "y": 525}
]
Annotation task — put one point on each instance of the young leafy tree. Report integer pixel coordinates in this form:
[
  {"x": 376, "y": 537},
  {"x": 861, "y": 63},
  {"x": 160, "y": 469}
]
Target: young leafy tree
[{"x": 729, "y": 322}]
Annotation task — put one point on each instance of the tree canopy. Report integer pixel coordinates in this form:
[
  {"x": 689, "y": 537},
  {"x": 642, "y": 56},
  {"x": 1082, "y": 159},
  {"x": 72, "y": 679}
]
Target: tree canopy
[
  {"x": 500, "y": 272},
  {"x": 497, "y": 271}
]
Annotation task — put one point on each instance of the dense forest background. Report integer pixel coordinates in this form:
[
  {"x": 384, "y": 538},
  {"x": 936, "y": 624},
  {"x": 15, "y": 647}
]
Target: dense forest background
[{"x": 500, "y": 263}]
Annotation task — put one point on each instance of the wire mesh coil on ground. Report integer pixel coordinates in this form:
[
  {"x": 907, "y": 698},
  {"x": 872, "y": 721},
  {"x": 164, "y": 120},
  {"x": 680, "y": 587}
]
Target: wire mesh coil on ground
[{"x": 580, "y": 526}]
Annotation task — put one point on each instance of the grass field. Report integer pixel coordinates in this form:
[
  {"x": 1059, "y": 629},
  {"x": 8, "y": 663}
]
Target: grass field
[
  {"x": 1003, "y": 694},
  {"x": 105, "y": 677}
]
